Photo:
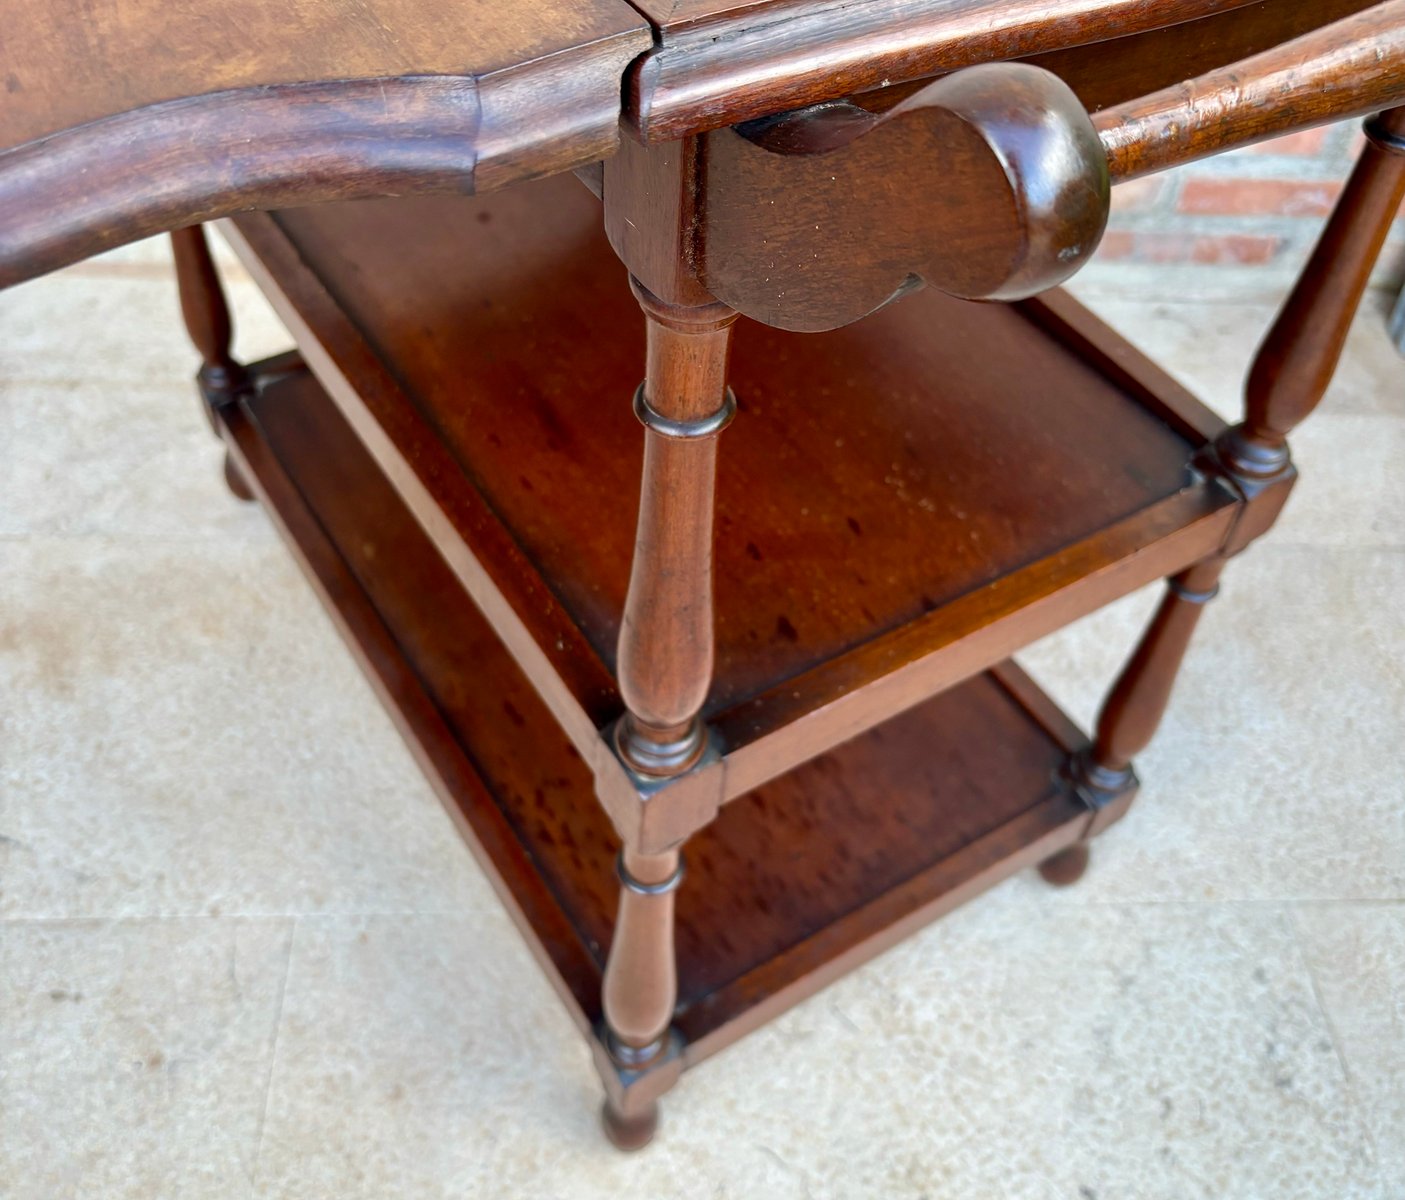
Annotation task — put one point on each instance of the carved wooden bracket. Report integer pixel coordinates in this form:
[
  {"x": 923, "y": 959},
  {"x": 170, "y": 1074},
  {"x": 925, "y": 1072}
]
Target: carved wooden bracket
[
  {"x": 988, "y": 184},
  {"x": 991, "y": 183}
]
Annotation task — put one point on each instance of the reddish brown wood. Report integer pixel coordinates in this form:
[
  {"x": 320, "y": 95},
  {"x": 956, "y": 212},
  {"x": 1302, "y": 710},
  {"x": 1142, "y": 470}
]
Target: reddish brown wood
[
  {"x": 846, "y": 590},
  {"x": 1127, "y": 68},
  {"x": 1067, "y": 866},
  {"x": 995, "y": 189},
  {"x": 641, "y": 982},
  {"x": 206, "y": 314},
  {"x": 652, "y": 198},
  {"x": 1353, "y": 66},
  {"x": 992, "y": 182},
  {"x": 1134, "y": 708},
  {"x": 665, "y": 656},
  {"x": 137, "y": 118},
  {"x": 749, "y": 61},
  {"x": 1295, "y": 363},
  {"x": 951, "y": 796}
]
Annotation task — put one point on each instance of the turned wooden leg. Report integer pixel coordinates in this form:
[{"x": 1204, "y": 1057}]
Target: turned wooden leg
[
  {"x": 206, "y": 313},
  {"x": 1289, "y": 376},
  {"x": 1067, "y": 866},
  {"x": 665, "y": 669},
  {"x": 1297, "y": 359},
  {"x": 666, "y": 641},
  {"x": 641, "y": 985},
  {"x": 1102, "y": 774}
]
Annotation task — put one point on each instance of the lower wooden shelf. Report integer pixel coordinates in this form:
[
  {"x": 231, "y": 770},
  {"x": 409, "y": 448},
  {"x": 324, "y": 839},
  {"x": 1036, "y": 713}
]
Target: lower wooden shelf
[{"x": 795, "y": 883}]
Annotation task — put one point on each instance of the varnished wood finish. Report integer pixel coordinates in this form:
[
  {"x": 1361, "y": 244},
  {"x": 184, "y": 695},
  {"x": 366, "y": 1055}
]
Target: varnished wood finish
[
  {"x": 1353, "y": 66},
  {"x": 242, "y": 106},
  {"x": 1067, "y": 866},
  {"x": 846, "y": 560},
  {"x": 1297, "y": 359},
  {"x": 994, "y": 180},
  {"x": 641, "y": 980},
  {"x": 999, "y": 192},
  {"x": 665, "y": 655},
  {"x": 952, "y": 796},
  {"x": 1137, "y": 702},
  {"x": 72, "y": 62},
  {"x": 1127, "y": 68},
  {"x": 205, "y": 312},
  {"x": 749, "y": 60}
]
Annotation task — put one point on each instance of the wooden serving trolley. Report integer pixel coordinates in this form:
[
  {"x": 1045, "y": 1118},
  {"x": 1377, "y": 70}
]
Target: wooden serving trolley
[{"x": 616, "y": 638}]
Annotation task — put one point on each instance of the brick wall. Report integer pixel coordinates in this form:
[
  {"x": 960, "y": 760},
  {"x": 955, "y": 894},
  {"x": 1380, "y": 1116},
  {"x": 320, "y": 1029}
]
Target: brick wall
[{"x": 1257, "y": 208}]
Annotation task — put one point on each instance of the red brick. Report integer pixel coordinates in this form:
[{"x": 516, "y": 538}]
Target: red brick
[
  {"x": 1116, "y": 243},
  {"x": 1236, "y": 249},
  {"x": 1258, "y": 197},
  {"x": 1138, "y": 194},
  {"x": 1231, "y": 249},
  {"x": 1305, "y": 142}
]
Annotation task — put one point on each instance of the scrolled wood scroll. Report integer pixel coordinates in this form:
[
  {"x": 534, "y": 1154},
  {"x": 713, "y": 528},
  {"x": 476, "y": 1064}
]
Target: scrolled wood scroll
[
  {"x": 984, "y": 185},
  {"x": 991, "y": 183}
]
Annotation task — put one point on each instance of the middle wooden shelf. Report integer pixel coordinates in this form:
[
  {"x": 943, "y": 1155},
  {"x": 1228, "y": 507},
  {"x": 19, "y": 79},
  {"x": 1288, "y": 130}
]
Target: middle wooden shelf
[{"x": 900, "y": 505}]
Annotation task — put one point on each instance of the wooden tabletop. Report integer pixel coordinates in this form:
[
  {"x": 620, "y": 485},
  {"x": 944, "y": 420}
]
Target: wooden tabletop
[
  {"x": 122, "y": 118},
  {"x": 67, "y": 62}
]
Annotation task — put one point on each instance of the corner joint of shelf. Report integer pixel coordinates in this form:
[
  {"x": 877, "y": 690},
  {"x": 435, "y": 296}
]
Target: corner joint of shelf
[{"x": 653, "y": 814}]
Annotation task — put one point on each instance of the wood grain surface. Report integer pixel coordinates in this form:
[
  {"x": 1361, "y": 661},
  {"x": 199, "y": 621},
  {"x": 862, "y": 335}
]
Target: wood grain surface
[
  {"x": 747, "y": 61},
  {"x": 68, "y": 62},
  {"x": 866, "y": 518},
  {"x": 118, "y": 121},
  {"x": 783, "y": 893}
]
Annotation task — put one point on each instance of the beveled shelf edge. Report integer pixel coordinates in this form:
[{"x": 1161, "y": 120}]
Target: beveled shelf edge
[
  {"x": 1038, "y": 833},
  {"x": 771, "y": 733},
  {"x": 1051, "y": 822},
  {"x": 433, "y": 745},
  {"x": 767, "y": 735},
  {"x": 562, "y": 667}
]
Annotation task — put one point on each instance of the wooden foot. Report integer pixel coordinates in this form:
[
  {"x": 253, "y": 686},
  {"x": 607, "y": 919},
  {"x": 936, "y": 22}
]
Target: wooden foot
[
  {"x": 234, "y": 478},
  {"x": 1067, "y": 866},
  {"x": 632, "y": 1131}
]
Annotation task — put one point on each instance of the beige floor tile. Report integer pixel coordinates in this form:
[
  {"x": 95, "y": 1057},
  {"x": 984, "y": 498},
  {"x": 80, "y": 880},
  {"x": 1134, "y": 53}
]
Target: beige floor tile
[
  {"x": 115, "y": 330},
  {"x": 1209, "y": 346},
  {"x": 1352, "y": 490},
  {"x": 75, "y": 459},
  {"x": 1357, "y": 957},
  {"x": 183, "y": 733},
  {"x": 1012, "y": 1051},
  {"x": 1286, "y": 717},
  {"x": 134, "y": 1056}
]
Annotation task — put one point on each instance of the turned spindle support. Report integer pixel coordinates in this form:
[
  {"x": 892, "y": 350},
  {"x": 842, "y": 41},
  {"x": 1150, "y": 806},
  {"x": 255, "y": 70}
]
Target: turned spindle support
[
  {"x": 1289, "y": 376},
  {"x": 666, "y": 639},
  {"x": 665, "y": 669},
  {"x": 1102, "y": 774},
  {"x": 205, "y": 310},
  {"x": 1296, "y": 361},
  {"x": 641, "y": 987}
]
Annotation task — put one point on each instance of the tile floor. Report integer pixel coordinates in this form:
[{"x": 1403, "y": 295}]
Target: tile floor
[{"x": 243, "y": 953}]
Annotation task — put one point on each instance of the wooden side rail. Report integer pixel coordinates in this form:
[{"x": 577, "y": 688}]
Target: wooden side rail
[
  {"x": 991, "y": 183},
  {"x": 1347, "y": 69}
]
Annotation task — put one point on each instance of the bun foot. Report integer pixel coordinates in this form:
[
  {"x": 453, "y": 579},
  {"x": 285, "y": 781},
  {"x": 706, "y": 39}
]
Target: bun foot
[
  {"x": 235, "y": 480},
  {"x": 1067, "y": 866},
  {"x": 629, "y": 1132}
]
